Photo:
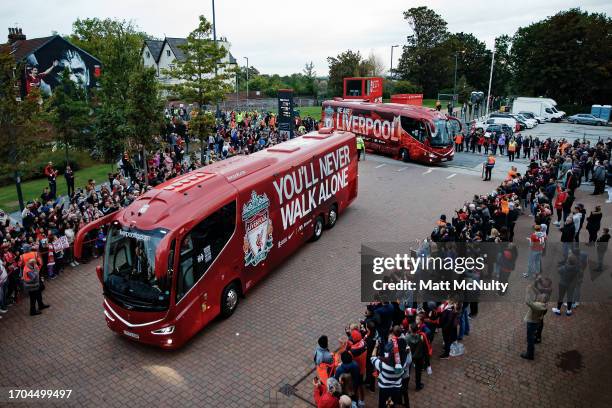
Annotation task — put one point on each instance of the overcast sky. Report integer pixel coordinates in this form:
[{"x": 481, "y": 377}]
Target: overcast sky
[{"x": 280, "y": 36}]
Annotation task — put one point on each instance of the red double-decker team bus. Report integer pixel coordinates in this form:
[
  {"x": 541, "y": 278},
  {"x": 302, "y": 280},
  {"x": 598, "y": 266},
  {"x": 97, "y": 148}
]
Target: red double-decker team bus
[
  {"x": 411, "y": 133},
  {"x": 187, "y": 250}
]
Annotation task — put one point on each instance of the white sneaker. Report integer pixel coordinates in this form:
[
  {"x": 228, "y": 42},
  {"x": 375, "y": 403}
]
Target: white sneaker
[
  {"x": 3, "y": 310},
  {"x": 557, "y": 223},
  {"x": 568, "y": 312},
  {"x": 556, "y": 311},
  {"x": 575, "y": 305}
]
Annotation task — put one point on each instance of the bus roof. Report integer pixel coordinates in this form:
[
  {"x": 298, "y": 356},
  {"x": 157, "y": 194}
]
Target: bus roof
[
  {"x": 189, "y": 197},
  {"x": 397, "y": 108}
]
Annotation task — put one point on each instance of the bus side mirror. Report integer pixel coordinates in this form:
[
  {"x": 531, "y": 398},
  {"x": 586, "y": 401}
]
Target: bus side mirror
[{"x": 99, "y": 273}]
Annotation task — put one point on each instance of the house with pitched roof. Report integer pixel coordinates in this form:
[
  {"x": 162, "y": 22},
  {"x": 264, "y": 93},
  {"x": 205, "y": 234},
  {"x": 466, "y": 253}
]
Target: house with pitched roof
[
  {"x": 163, "y": 55},
  {"x": 43, "y": 60}
]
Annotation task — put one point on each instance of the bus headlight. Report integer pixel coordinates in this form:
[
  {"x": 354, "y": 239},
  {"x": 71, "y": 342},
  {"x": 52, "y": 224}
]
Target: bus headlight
[
  {"x": 165, "y": 330},
  {"x": 433, "y": 156}
]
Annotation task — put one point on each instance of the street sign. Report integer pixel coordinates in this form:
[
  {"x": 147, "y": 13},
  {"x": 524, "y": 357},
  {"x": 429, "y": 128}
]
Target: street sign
[{"x": 286, "y": 125}]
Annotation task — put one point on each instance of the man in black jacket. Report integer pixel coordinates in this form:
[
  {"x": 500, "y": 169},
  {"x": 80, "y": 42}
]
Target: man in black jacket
[{"x": 568, "y": 233}]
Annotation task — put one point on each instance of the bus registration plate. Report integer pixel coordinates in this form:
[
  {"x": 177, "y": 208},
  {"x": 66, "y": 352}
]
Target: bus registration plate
[{"x": 130, "y": 334}]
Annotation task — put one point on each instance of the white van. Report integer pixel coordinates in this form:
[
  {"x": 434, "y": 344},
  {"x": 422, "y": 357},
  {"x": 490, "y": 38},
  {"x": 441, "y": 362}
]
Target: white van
[{"x": 539, "y": 107}]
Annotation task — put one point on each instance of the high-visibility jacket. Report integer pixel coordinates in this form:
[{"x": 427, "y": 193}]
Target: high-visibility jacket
[
  {"x": 490, "y": 161},
  {"x": 326, "y": 370},
  {"x": 360, "y": 143},
  {"x": 25, "y": 258},
  {"x": 512, "y": 147},
  {"x": 459, "y": 139},
  {"x": 505, "y": 208}
]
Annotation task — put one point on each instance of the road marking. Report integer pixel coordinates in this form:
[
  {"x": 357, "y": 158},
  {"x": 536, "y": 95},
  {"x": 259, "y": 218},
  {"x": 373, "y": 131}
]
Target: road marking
[
  {"x": 380, "y": 165},
  {"x": 428, "y": 171},
  {"x": 452, "y": 175},
  {"x": 403, "y": 168}
]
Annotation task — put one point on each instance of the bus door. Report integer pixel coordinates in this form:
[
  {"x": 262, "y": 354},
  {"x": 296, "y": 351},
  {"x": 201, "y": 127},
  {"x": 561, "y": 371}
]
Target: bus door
[
  {"x": 206, "y": 263},
  {"x": 416, "y": 132},
  {"x": 456, "y": 127}
]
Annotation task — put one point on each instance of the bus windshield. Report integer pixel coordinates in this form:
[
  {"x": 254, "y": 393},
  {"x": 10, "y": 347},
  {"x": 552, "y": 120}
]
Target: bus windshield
[
  {"x": 441, "y": 136},
  {"x": 129, "y": 269}
]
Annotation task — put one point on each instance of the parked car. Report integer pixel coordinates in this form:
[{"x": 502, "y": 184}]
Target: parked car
[
  {"x": 499, "y": 128},
  {"x": 530, "y": 123},
  {"x": 531, "y": 115},
  {"x": 587, "y": 119}
]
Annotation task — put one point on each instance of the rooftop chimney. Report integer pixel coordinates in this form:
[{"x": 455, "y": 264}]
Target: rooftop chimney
[{"x": 15, "y": 34}]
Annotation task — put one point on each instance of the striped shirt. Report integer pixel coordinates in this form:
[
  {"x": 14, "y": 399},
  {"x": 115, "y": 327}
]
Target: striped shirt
[{"x": 387, "y": 377}]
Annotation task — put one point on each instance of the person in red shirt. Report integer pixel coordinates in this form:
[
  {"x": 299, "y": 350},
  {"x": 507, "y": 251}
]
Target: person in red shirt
[
  {"x": 51, "y": 174},
  {"x": 326, "y": 397},
  {"x": 559, "y": 200},
  {"x": 537, "y": 241},
  {"x": 34, "y": 77}
]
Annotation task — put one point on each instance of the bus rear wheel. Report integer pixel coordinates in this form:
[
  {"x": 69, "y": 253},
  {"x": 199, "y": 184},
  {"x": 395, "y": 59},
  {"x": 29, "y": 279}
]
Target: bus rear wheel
[
  {"x": 319, "y": 223},
  {"x": 332, "y": 216},
  {"x": 404, "y": 155},
  {"x": 229, "y": 299}
]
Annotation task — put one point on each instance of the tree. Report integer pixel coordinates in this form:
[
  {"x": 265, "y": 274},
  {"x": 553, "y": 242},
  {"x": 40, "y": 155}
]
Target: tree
[
  {"x": 373, "y": 65},
  {"x": 424, "y": 60},
  {"x": 502, "y": 67},
  {"x": 203, "y": 77},
  {"x": 144, "y": 111},
  {"x": 346, "y": 64},
  {"x": 201, "y": 125},
  {"x": 567, "y": 57},
  {"x": 21, "y": 130},
  {"x": 310, "y": 77},
  {"x": 69, "y": 113},
  {"x": 118, "y": 45},
  {"x": 473, "y": 60}
]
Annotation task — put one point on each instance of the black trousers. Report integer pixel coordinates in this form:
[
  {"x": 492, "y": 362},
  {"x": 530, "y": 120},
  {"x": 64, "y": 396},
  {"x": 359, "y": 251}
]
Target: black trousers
[
  {"x": 488, "y": 171},
  {"x": 35, "y": 297},
  {"x": 570, "y": 296},
  {"x": 70, "y": 185},
  {"x": 418, "y": 370},
  {"x": 510, "y": 156},
  {"x": 449, "y": 336},
  {"x": 53, "y": 189}
]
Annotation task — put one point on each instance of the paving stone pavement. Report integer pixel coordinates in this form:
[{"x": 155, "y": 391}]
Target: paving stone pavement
[{"x": 268, "y": 342}]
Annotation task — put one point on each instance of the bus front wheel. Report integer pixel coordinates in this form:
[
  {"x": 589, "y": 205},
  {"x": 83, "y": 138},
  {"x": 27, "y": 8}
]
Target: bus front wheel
[
  {"x": 229, "y": 299},
  {"x": 404, "y": 155}
]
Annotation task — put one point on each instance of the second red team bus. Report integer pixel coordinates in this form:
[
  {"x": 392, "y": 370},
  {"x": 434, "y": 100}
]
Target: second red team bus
[
  {"x": 411, "y": 133},
  {"x": 187, "y": 250}
]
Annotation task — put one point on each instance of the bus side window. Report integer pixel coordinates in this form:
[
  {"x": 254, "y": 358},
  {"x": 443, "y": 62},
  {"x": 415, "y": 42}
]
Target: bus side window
[
  {"x": 202, "y": 245},
  {"x": 414, "y": 127}
]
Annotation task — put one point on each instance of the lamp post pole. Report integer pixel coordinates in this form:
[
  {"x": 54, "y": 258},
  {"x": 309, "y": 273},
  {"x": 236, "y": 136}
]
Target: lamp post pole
[
  {"x": 391, "y": 68},
  {"x": 247, "y": 84},
  {"x": 217, "y": 112},
  {"x": 490, "y": 80}
]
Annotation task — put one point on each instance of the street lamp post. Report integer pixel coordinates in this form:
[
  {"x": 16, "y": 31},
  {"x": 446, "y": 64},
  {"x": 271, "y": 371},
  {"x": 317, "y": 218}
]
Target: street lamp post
[
  {"x": 490, "y": 80},
  {"x": 391, "y": 68},
  {"x": 455, "y": 81},
  {"x": 247, "y": 84},
  {"x": 217, "y": 112}
]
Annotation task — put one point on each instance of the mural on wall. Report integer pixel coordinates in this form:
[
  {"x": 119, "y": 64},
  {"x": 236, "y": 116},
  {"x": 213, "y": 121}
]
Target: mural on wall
[{"x": 44, "y": 67}]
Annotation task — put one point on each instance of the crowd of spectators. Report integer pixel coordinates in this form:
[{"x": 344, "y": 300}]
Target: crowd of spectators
[
  {"x": 397, "y": 338},
  {"x": 49, "y": 223}
]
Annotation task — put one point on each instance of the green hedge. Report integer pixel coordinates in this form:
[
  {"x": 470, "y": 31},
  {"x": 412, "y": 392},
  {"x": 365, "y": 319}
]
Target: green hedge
[{"x": 34, "y": 168}]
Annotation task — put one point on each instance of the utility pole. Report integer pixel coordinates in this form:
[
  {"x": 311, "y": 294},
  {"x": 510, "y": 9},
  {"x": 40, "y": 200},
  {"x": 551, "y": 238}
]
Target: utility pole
[
  {"x": 391, "y": 68},
  {"x": 247, "y": 84},
  {"x": 217, "y": 112},
  {"x": 490, "y": 80}
]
